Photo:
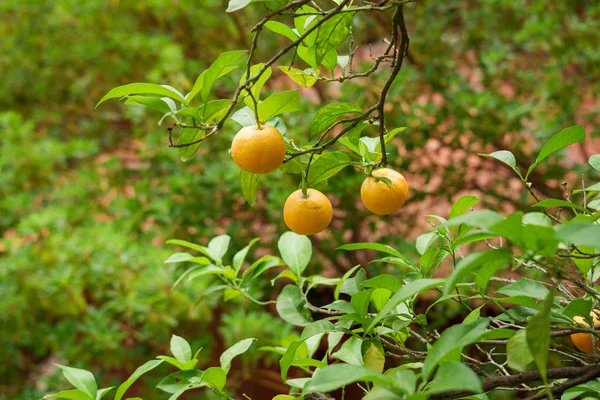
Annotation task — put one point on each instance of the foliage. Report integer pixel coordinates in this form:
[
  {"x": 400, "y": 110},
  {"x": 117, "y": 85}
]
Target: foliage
[
  {"x": 375, "y": 330},
  {"x": 477, "y": 79}
]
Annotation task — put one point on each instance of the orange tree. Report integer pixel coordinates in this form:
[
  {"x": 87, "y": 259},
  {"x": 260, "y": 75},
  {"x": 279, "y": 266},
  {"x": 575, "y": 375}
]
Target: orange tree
[{"x": 379, "y": 342}]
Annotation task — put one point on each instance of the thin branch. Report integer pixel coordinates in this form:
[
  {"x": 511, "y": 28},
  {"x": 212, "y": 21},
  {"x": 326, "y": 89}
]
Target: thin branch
[
  {"x": 590, "y": 373},
  {"x": 398, "y": 23},
  {"x": 576, "y": 375}
]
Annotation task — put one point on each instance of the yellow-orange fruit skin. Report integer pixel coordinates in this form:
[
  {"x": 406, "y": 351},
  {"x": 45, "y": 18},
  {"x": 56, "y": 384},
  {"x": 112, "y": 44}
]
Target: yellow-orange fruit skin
[
  {"x": 258, "y": 151},
  {"x": 307, "y": 215},
  {"x": 381, "y": 199},
  {"x": 583, "y": 341}
]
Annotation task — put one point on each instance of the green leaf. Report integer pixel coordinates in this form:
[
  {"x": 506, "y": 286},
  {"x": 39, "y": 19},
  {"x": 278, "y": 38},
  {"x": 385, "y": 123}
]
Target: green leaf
[
  {"x": 578, "y": 307},
  {"x": 240, "y": 256},
  {"x": 360, "y": 301},
  {"x": 473, "y": 261},
  {"x": 189, "y": 245},
  {"x": 203, "y": 270},
  {"x": 281, "y": 29},
  {"x": 239, "y": 348},
  {"x": 189, "y": 135},
  {"x": 579, "y": 232},
  {"x": 312, "y": 330},
  {"x": 480, "y": 218},
  {"x": 308, "y": 55},
  {"x": 215, "y": 377},
  {"x": 218, "y": 69},
  {"x": 258, "y": 85},
  {"x": 218, "y": 246},
  {"x": 80, "y": 379},
  {"x": 327, "y": 115},
  {"x": 302, "y": 78},
  {"x": 351, "y": 286},
  {"x": 506, "y": 157},
  {"x": 558, "y": 203},
  {"x": 538, "y": 336},
  {"x": 471, "y": 237},
  {"x": 455, "y": 375},
  {"x": 372, "y": 246},
  {"x": 279, "y": 103},
  {"x": 74, "y": 394},
  {"x": 388, "y": 136},
  {"x": 331, "y": 34},
  {"x": 525, "y": 287},
  {"x": 370, "y": 148},
  {"x": 235, "y": 5},
  {"x": 425, "y": 240},
  {"x": 453, "y": 338},
  {"x": 148, "y": 366},
  {"x": 536, "y": 218},
  {"x": 564, "y": 138},
  {"x": 171, "y": 360},
  {"x": 594, "y": 188},
  {"x": 384, "y": 281},
  {"x": 179, "y": 257},
  {"x": 249, "y": 184},
  {"x": 595, "y": 162},
  {"x": 211, "y": 111},
  {"x": 244, "y": 117},
  {"x": 103, "y": 392},
  {"x": 404, "y": 294},
  {"x": 463, "y": 205},
  {"x": 350, "y": 352},
  {"x": 290, "y": 306},
  {"x": 178, "y": 381},
  {"x": 296, "y": 251},
  {"x": 261, "y": 265},
  {"x": 142, "y": 89},
  {"x": 518, "y": 354},
  {"x": 163, "y": 104},
  {"x": 592, "y": 388},
  {"x": 374, "y": 356},
  {"x": 329, "y": 61},
  {"x": 335, "y": 376},
  {"x": 181, "y": 349},
  {"x": 327, "y": 166}
]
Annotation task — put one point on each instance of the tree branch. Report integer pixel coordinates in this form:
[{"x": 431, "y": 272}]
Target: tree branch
[{"x": 577, "y": 375}]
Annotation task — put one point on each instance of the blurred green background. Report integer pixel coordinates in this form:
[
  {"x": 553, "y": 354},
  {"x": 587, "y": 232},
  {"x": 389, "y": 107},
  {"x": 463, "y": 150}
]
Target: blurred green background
[{"x": 88, "y": 197}]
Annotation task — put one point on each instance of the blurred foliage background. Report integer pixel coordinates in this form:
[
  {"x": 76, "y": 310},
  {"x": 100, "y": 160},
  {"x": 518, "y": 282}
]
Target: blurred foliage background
[{"x": 88, "y": 197}]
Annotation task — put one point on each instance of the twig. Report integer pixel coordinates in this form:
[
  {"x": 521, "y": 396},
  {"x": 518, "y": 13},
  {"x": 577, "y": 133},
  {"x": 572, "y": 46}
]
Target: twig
[{"x": 573, "y": 373}]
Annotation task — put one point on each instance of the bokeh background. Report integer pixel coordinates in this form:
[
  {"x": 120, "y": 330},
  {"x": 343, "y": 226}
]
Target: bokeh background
[{"x": 88, "y": 197}]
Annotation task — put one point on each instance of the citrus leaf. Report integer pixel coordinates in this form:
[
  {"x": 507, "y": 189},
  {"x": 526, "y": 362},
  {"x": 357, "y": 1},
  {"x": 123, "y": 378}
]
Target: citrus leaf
[
  {"x": 327, "y": 166},
  {"x": 331, "y": 34},
  {"x": 302, "y": 78},
  {"x": 148, "y": 366},
  {"x": 564, "y": 138},
  {"x": 239, "y": 348},
  {"x": 279, "y": 103},
  {"x": 281, "y": 29},
  {"x": 81, "y": 379},
  {"x": 142, "y": 89}
]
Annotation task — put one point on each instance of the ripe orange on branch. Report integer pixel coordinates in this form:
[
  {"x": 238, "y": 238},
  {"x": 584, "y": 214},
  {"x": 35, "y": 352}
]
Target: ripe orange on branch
[
  {"x": 258, "y": 150},
  {"x": 307, "y": 215},
  {"x": 381, "y": 199},
  {"x": 583, "y": 341}
]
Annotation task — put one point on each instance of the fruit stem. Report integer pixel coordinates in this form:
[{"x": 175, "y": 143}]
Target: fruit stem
[{"x": 304, "y": 185}]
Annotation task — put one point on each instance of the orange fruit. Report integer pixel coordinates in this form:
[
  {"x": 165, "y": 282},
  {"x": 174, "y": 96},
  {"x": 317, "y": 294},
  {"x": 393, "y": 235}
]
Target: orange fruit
[
  {"x": 381, "y": 199},
  {"x": 307, "y": 215},
  {"x": 258, "y": 151},
  {"x": 583, "y": 341}
]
